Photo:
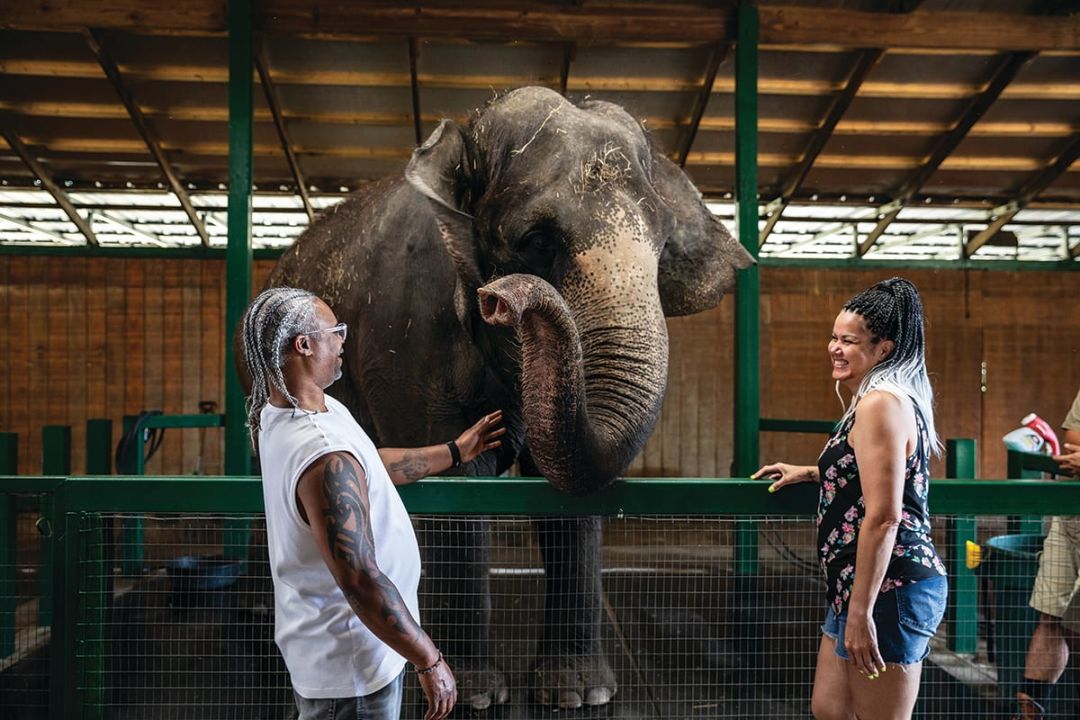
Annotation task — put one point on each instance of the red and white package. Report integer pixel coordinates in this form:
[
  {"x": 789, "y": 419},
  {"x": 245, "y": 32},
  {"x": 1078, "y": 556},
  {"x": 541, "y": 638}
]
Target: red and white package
[{"x": 1047, "y": 433}]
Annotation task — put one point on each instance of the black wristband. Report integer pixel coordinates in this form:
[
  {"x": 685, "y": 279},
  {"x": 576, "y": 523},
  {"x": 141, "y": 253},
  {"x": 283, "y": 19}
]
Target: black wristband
[{"x": 455, "y": 454}]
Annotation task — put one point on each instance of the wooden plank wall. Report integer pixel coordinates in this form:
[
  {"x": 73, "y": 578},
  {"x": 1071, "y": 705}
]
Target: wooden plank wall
[{"x": 108, "y": 337}]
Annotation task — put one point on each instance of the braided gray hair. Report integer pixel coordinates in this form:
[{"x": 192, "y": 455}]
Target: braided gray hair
[
  {"x": 272, "y": 319},
  {"x": 893, "y": 311}
]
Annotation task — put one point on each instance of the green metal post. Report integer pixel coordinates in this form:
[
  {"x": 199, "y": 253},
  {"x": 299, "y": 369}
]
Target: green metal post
[
  {"x": 747, "y": 295},
  {"x": 95, "y": 575},
  {"x": 99, "y": 446},
  {"x": 9, "y": 465},
  {"x": 63, "y": 695},
  {"x": 56, "y": 450},
  {"x": 963, "y": 608},
  {"x": 1017, "y": 470},
  {"x": 90, "y": 578},
  {"x": 238, "y": 253},
  {"x": 9, "y": 453},
  {"x": 131, "y": 528},
  {"x": 55, "y": 460}
]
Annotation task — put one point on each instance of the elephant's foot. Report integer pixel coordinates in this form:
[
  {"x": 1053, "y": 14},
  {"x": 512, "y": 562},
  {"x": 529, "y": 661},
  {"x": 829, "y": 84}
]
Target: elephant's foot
[
  {"x": 480, "y": 684},
  {"x": 570, "y": 681}
]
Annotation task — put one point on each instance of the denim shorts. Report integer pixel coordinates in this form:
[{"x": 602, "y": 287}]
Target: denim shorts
[
  {"x": 384, "y": 704},
  {"x": 906, "y": 618}
]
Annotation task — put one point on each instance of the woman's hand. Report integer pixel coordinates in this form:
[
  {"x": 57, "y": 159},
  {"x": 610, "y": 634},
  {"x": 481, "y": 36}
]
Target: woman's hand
[
  {"x": 860, "y": 641},
  {"x": 783, "y": 474},
  {"x": 481, "y": 437}
]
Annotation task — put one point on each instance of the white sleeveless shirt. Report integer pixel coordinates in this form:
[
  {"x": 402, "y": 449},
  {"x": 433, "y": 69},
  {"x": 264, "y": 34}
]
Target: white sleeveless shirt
[{"x": 329, "y": 652}]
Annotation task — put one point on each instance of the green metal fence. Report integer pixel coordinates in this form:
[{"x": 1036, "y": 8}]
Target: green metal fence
[{"x": 80, "y": 511}]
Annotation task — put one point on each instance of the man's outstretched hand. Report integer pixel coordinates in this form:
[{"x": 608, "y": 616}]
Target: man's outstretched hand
[{"x": 481, "y": 437}]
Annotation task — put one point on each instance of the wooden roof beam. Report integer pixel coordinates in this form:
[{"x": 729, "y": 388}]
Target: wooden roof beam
[
  {"x": 599, "y": 24},
  {"x": 716, "y": 58},
  {"x": 569, "y": 55},
  {"x": 1002, "y": 215},
  {"x": 414, "y": 56},
  {"x": 272, "y": 100},
  {"x": 61, "y": 198},
  {"x": 867, "y": 61},
  {"x": 95, "y": 39},
  {"x": 1006, "y": 71}
]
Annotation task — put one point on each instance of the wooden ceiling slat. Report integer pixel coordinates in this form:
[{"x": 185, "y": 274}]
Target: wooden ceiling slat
[
  {"x": 710, "y": 123},
  {"x": 1006, "y": 72},
  {"x": 16, "y": 144},
  {"x": 529, "y": 21},
  {"x": 96, "y": 41},
  {"x": 1065, "y": 159},
  {"x": 867, "y": 61},
  {"x": 274, "y": 103},
  {"x": 701, "y": 102},
  {"x": 766, "y": 86},
  {"x": 414, "y": 83}
]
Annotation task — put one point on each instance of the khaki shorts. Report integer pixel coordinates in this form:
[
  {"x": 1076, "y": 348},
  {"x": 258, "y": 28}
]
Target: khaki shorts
[{"x": 1057, "y": 586}]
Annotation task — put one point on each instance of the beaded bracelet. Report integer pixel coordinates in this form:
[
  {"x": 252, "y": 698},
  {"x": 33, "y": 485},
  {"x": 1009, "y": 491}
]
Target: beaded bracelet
[
  {"x": 430, "y": 669},
  {"x": 455, "y": 453}
]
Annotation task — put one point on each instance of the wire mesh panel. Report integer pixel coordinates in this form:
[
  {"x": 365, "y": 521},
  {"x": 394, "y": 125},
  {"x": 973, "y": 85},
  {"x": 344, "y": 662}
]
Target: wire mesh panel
[
  {"x": 190, "y": 633},
  {"x": 25, "y": 607},
  {"x": 628, "y": 617}
]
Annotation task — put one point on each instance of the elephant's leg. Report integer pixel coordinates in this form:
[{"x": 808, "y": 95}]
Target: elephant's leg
[
  {"x": 457, "y": 553},
  {"x": 571, "y": 667}
]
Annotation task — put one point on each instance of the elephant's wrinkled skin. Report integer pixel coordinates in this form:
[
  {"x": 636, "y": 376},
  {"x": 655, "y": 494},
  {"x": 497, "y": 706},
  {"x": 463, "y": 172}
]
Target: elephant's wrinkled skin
[{"x": 526, "y": 262}]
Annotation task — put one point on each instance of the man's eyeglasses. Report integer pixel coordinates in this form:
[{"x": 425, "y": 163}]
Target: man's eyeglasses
[{"x": 341, "y": 330}]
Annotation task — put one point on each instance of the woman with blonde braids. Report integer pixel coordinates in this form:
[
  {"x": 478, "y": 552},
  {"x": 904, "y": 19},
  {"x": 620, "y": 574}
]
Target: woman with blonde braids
[{"x": 885, "y": 584}]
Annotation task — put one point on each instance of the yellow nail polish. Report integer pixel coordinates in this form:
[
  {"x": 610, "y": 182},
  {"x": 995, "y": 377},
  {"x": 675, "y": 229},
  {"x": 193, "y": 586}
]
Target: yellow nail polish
[{"x": 772, "y": 488}]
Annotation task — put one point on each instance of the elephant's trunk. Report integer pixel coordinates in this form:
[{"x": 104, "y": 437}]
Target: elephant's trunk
[{"x": 592, "y": 395}]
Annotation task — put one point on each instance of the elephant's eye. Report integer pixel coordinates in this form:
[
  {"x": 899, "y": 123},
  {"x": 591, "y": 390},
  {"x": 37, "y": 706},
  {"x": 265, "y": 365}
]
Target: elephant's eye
[{"x": 541, "y": 241}]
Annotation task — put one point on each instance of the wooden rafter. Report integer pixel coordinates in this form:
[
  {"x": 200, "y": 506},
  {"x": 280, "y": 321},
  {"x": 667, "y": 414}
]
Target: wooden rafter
[
  {"x": 717, "y": 123},
  {"x": 717, "y": 54},
  {"x": 795, "y": 87},
  {"x": 61, "y": 198},
  {"x": 1008, "y": 69},
  {"x": 273, "y": 102},
  {"x": 866, "y": 62},
  {"x": 531, "y": 21},
  {"x": 569, "y": 54},
  {"x": 1068, "y": 155},
  {"x": 414, "y": 57},
  {"x": 96, "y": 41}
]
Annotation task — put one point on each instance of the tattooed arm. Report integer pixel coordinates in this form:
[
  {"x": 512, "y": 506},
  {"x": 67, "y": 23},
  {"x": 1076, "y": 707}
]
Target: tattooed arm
[
  {"x": 333, "y": 498},
  {"x": 406, "y": 465}
]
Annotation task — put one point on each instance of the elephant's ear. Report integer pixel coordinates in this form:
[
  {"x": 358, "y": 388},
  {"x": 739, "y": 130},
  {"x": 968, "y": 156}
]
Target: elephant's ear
[
  {"x": 442, "y": 170},
  {"x": 700, "y": 259}
]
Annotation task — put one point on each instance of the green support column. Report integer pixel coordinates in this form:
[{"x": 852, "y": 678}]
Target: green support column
[
  {"x": 63, "y": 689},
  {"x": 1027, "y": 525},
  {"x": 95, "y": 571},
  {"x": 55, "y": 460},
  {"x": 747, "y": 295},
  {"x": 99, "y": 447},
  {"x": 131, "y": 528},
  {"x": 238, "y": 253},
  {"x": 963, "y": 608},
  {"x": 9, "y": 465}
]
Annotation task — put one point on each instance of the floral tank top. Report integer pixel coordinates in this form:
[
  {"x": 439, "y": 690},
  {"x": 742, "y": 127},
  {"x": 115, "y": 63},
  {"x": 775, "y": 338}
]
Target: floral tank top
[{"x": 841, "y": 510}]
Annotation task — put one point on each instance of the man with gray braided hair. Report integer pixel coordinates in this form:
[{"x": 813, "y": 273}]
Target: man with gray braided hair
[{"x": 343, "y": 555}]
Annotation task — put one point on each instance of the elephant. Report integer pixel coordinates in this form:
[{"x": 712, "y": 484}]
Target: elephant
[{"x": 526, "y": 261}]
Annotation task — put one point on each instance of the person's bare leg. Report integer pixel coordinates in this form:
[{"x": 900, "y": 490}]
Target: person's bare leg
[
  {"x": 1048, "y": 651},
  {"x": 831, "y": 699},
  {"x": 890, "y": 696}
]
